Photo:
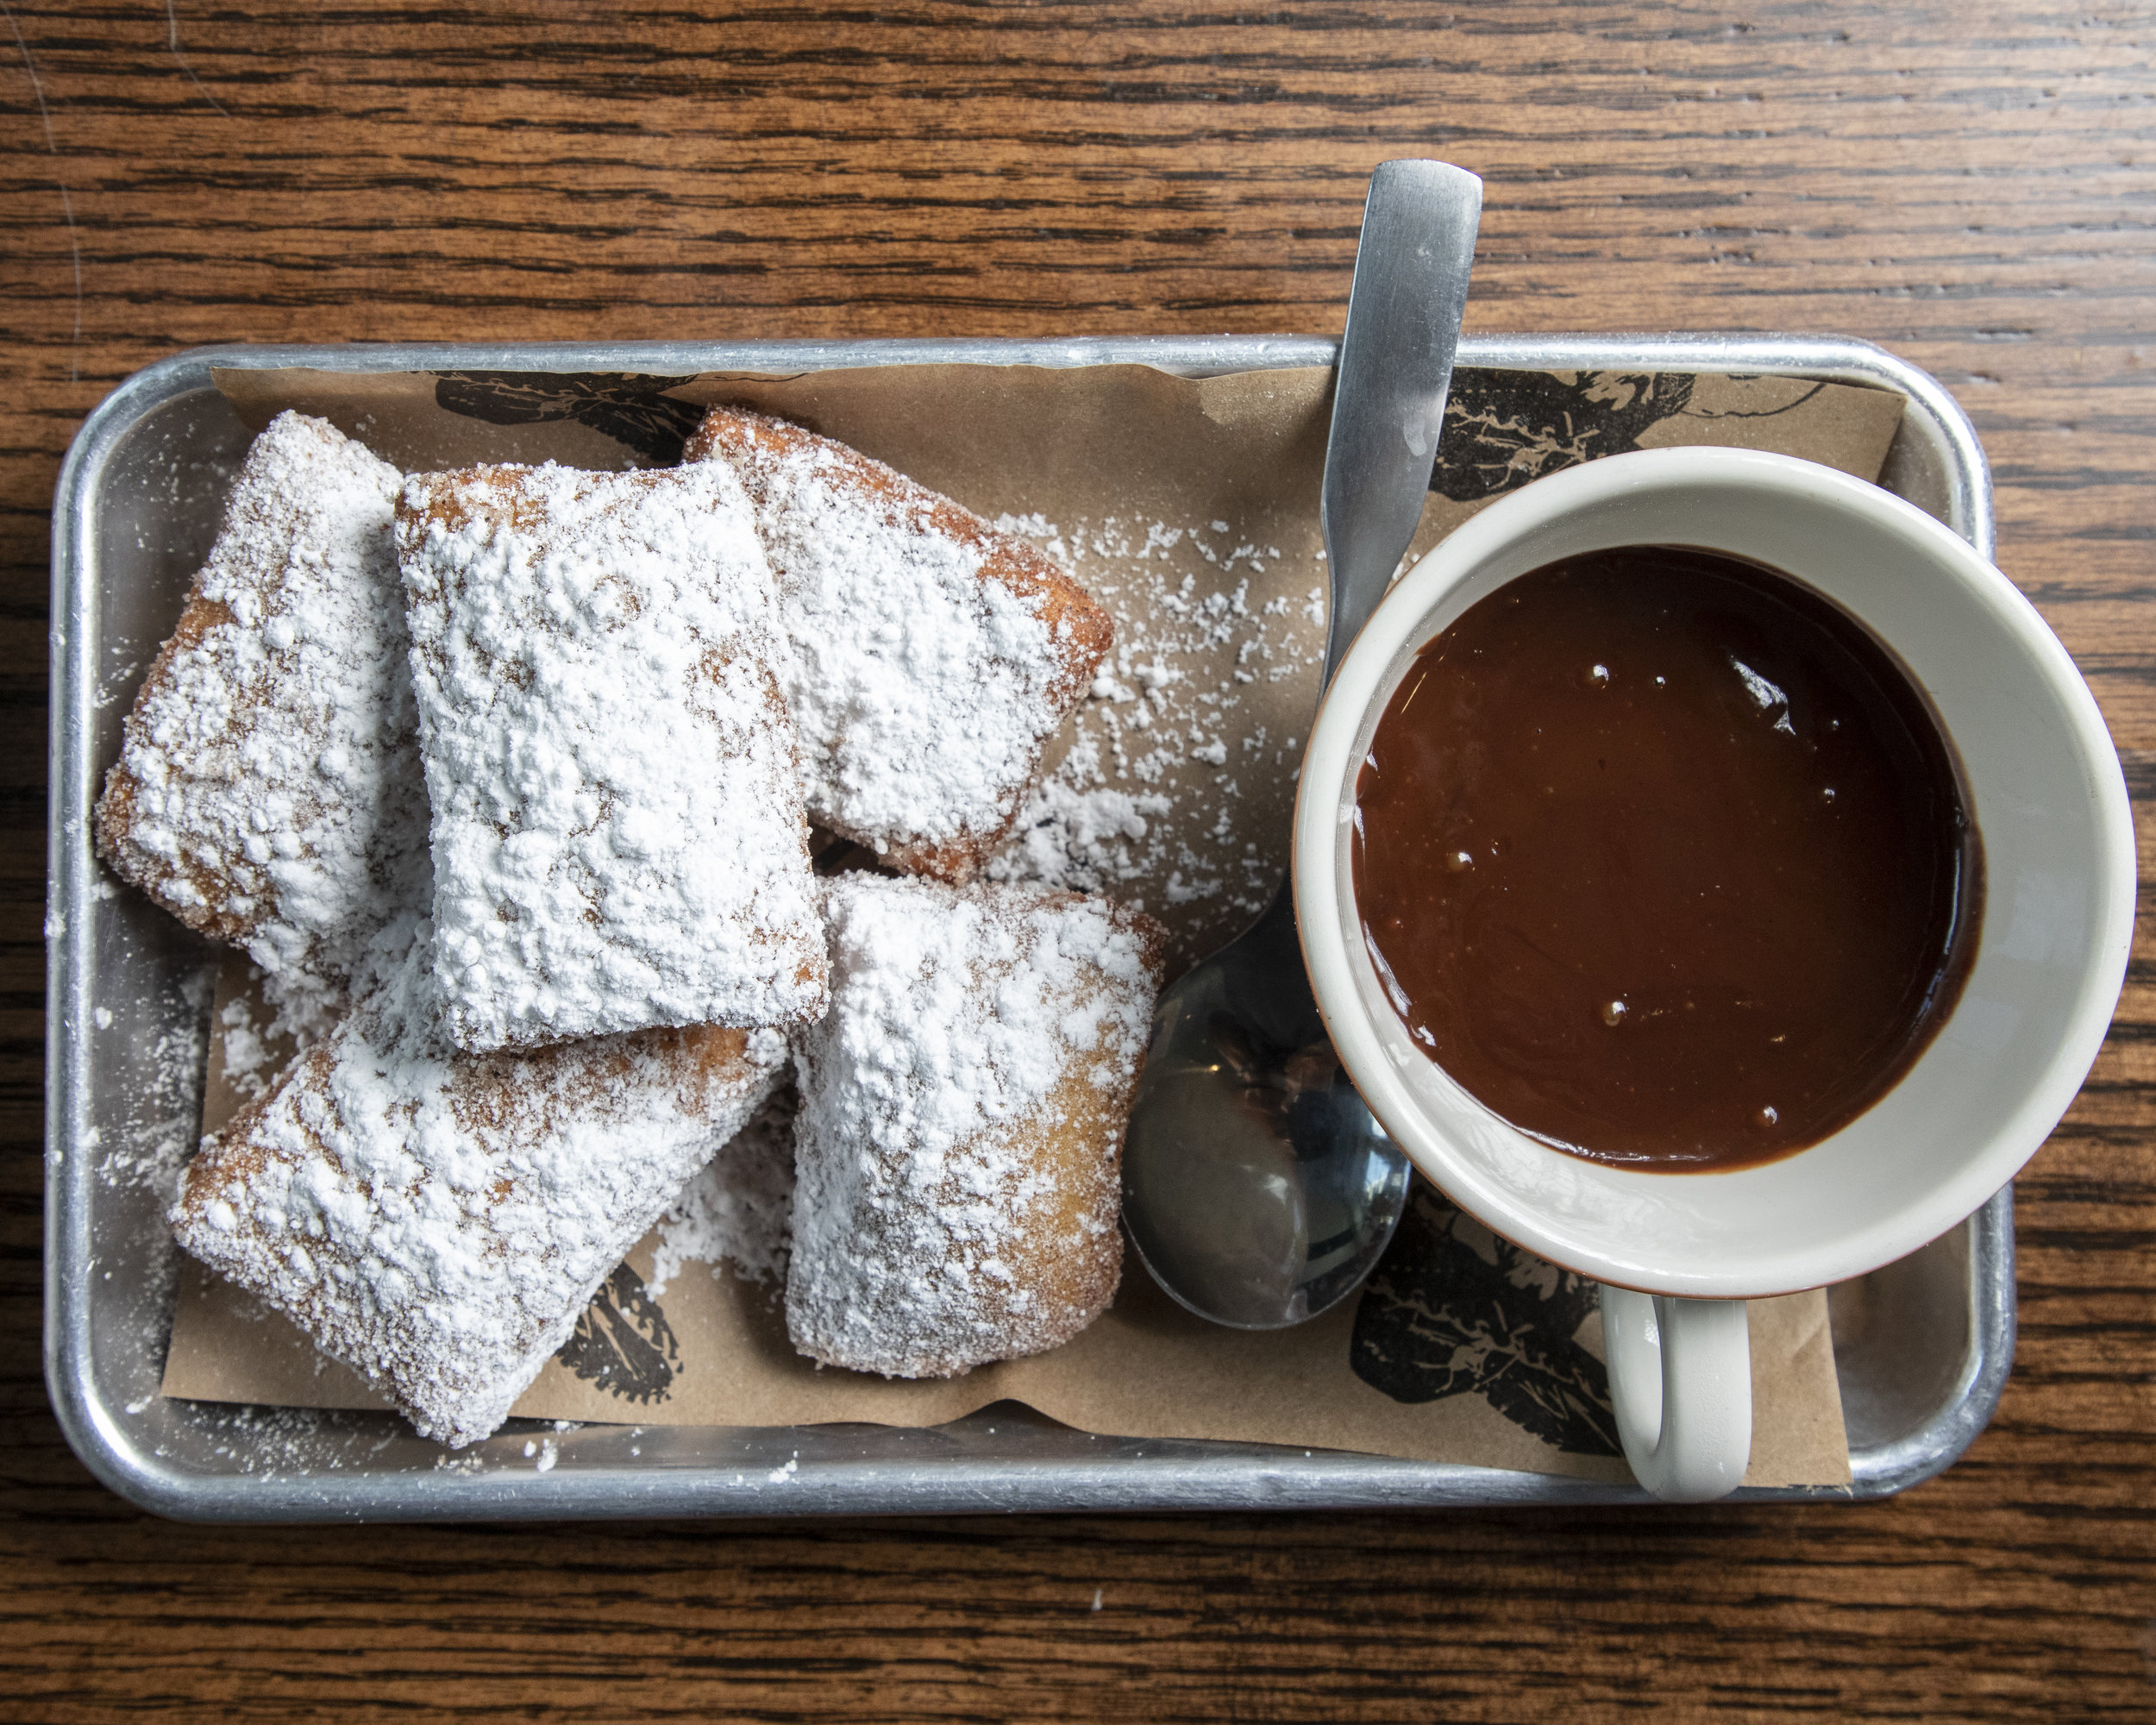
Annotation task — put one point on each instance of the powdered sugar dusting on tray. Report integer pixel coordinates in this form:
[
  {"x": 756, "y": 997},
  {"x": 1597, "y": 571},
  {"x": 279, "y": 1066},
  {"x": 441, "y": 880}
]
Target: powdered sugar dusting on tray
[
  {"x": 438, "y": 1221},
  {"x": 268, "y": 788},
  {"x": 252, "y": 1045},
  {"x": 961, "y": 1113},
  {"x": 160, "y": 1126},
  {"x": 618, "y": 833},
  {"x": 153, "y": 1086},
  {"x": 1170, "y": 793}
]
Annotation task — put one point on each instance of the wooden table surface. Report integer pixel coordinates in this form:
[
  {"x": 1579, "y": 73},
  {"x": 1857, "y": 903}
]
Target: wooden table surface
[{"x": 1973, "y": 185}]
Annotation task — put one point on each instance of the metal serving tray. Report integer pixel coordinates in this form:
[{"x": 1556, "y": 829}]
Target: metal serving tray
[{"x": 1922, "y": 1347}]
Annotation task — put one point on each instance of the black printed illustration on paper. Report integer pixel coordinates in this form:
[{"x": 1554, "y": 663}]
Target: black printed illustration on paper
[
  {"x": 623, "y": 1343},
  {"x": 1505, "y": 429},
  {"x": 1453, "y": 1310},
  {"x": 632, "y": 410}
]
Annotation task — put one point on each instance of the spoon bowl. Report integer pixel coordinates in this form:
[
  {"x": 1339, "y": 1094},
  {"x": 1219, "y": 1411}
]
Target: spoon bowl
[{"x": 1270, "y": 1191}]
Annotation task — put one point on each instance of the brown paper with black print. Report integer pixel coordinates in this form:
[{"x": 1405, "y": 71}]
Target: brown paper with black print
[{"x": 1461, "y": 1347}]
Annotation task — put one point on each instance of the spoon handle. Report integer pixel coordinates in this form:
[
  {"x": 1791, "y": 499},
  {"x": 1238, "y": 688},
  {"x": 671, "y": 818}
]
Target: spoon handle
[{"x": 1395, "y": 366}]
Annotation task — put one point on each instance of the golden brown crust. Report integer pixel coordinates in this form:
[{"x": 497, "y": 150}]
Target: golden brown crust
[
  {"x": 205, "y": 902},
  {"x": 1066, "y": 1264},
  {"x": 231, "y": 1155},
  {"x": 1152, "y": 939},
  {"x": 496, "y": 489}
]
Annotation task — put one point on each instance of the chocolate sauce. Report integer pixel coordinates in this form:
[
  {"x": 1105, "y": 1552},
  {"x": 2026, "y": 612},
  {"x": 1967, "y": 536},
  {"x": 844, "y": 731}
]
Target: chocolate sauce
[{"x": 1663, "y": 857}]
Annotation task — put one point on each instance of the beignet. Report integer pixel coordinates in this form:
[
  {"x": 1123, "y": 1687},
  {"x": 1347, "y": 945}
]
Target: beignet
[
  {"x": 959, "y": 1143},
  {"x": 617, "y": 835},
  {"x": 439, "y": 1221},
  {"x": 933, "y": 657},
  {"x": 268, "y": 789}
]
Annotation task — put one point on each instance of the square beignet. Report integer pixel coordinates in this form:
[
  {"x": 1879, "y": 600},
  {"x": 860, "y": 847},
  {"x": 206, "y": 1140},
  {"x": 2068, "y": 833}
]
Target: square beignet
[
  {"x": 933, "y": 657},
  {"x": 958, "y": 1149},
  {"x": 268, "y": 789},
  {"x": 439, "y": 1221},
  {"x": 618, "y": 834}
]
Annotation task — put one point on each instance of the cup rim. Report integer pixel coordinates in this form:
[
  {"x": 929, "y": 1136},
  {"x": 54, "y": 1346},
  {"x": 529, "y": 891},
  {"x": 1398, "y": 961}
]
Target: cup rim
[{"x": 1326, "y": 789}]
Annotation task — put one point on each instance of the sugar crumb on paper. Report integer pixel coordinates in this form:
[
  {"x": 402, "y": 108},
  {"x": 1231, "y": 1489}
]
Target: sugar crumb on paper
[{"x": 1168, "y": 793}]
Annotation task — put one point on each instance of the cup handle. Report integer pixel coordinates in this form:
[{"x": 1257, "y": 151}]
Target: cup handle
[{"x": 1680, "y": 1379}]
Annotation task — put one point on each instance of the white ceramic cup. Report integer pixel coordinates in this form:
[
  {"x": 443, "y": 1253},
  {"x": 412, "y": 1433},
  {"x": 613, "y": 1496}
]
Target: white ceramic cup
[{"x": 1675, "y": 1252}]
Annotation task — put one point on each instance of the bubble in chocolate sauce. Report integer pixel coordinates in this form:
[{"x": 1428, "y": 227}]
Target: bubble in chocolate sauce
[{"x": 1667, "y": 862}]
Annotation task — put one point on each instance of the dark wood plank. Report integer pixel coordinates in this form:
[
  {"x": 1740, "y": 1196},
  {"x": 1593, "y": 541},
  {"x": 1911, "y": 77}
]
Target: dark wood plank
[{"x": 1968, "y": 183}]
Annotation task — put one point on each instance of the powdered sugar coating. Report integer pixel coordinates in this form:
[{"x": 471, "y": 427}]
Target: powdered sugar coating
[
  {"x": 439, "y": 1221},
  {"x": 618, "y": 832},
  {"x": 958, "y": 1148},
  {"x": 735, "y": 1211},
  {"x": 268, "y": 788},
  {"x": 932, "y": 656}
]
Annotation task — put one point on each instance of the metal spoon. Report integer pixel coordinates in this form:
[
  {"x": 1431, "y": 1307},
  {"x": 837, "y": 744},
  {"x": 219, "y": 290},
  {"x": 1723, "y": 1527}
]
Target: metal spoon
[{"x": 1257, "y": 1187}]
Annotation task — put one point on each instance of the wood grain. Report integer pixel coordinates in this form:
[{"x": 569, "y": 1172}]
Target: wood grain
[{"x": 1973, "y": 185}]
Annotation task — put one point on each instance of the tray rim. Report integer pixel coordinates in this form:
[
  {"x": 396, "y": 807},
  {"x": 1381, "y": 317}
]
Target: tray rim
[{"x": 1226, "y": 1476}]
